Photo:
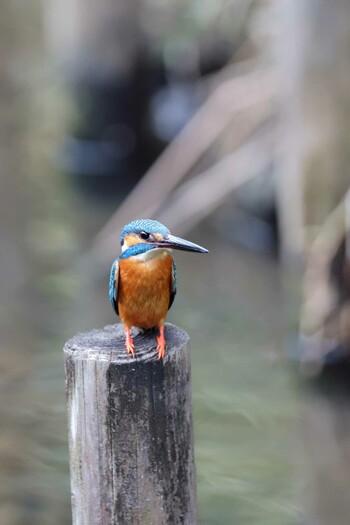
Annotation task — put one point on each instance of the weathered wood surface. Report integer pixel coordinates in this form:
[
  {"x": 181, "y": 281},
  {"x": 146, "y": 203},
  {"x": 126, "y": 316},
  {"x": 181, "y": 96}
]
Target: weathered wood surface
[{"x": 130, "y": 429}]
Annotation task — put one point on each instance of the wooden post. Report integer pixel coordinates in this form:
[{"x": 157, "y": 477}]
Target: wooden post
[{"x": 130, "y": 429}]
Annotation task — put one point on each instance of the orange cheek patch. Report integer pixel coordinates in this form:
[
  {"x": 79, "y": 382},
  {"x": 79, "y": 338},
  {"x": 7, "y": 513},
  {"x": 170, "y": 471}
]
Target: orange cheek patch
[
  {"x": 131, "y": 239},
  {"x": 158, "y": 236}
]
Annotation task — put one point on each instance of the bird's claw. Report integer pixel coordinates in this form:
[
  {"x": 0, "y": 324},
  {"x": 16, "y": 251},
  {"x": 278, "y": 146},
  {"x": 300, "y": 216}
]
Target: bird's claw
[
  {"x": 130, "y": 348},
  {"x": 161, "y": 350},
  {"x": 129, "y": 343}
]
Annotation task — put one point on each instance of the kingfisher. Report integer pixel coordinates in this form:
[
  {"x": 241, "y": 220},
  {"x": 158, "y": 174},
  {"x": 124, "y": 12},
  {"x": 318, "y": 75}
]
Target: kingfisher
[{"x": 142, "y": 284}]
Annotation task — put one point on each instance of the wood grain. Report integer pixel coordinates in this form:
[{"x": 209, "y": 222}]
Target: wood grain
[{"x": 130, "y": 429}]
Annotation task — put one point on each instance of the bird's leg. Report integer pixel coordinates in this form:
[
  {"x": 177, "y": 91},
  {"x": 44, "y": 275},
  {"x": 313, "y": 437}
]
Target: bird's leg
[
  {"x": 129, "y": 342},
  {"x": 161, "y": 342}
]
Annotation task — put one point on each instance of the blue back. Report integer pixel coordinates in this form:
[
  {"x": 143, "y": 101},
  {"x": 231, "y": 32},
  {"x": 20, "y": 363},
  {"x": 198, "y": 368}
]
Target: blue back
[{"x": 113, "y": 285}]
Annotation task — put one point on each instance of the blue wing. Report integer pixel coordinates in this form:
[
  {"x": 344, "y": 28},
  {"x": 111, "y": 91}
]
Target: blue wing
[
  {"x": 173, "y": 286},
  {"x": 113, "y": 285}
]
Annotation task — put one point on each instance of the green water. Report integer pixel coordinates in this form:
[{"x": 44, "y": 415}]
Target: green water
[{"x": 244, "y": 399}]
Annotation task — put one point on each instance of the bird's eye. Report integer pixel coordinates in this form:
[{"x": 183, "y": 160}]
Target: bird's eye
[{"x": 144, "y": 235}]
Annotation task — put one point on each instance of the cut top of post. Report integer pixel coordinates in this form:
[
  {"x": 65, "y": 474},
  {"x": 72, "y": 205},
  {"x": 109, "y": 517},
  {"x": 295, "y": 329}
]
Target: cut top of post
[{"x": 108, "y": 344}]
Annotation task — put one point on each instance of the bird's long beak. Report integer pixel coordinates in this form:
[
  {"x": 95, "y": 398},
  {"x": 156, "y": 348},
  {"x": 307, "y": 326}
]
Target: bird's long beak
[{"x": 176, "y": 243}]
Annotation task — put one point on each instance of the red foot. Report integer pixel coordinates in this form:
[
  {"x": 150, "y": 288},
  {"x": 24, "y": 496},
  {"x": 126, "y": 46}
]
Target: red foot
[
  {"x": 161, "y": 342},
  {"x": 129, "y": 342}
]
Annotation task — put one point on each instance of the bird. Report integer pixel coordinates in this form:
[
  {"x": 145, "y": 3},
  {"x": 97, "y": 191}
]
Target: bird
[{"x": 142, "y": 284}]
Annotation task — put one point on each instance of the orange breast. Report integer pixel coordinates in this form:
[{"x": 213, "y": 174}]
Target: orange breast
[{"x": 144, "y": 291}]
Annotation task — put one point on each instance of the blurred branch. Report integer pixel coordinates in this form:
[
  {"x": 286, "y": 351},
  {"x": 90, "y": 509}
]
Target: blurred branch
[
  {"x": 325, "y": 314},
  {"x": 202, "y": 194},
  {"x": 319, "y": 294},
  {"x": 198, "y": 197},
  {"x": 253, "y": 91}
]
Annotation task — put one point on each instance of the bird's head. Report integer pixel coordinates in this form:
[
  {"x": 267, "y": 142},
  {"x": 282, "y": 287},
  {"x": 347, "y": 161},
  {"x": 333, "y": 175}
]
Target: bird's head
[{"x": 144, "y": 235}]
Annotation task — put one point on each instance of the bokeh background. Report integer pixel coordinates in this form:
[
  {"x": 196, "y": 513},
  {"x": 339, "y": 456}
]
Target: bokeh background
[{"x": 228, "y": 120}]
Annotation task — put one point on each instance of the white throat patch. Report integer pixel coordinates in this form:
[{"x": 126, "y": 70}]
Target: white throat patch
[{"x": 155, "y": 253}]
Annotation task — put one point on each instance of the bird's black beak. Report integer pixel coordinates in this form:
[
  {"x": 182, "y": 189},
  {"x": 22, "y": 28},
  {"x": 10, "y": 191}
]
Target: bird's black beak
[{"x": 176, "y": 243}]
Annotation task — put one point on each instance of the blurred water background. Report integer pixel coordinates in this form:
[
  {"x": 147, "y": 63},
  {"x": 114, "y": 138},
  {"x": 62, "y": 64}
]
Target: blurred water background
[{"x": 271, "y": 448}]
